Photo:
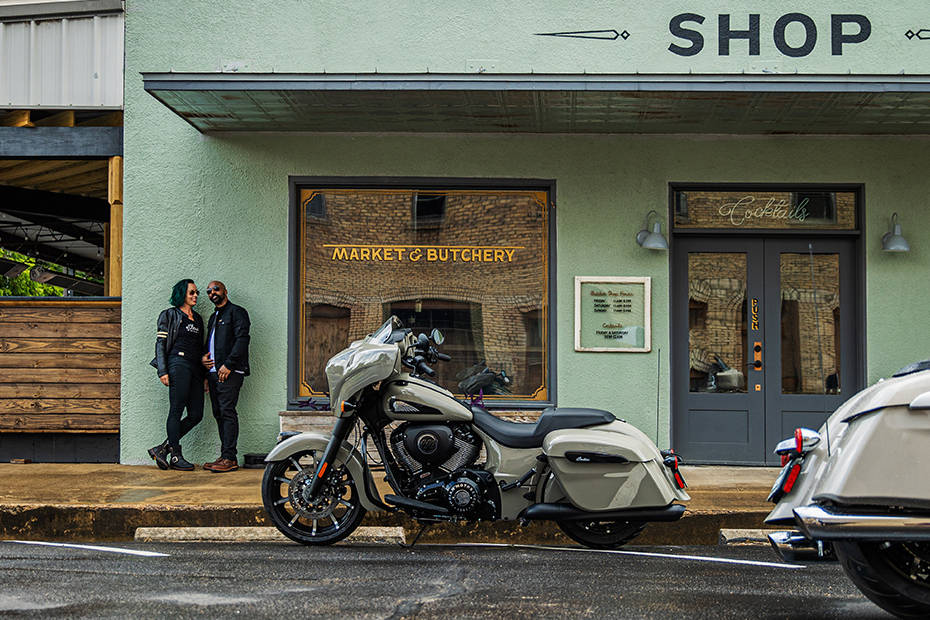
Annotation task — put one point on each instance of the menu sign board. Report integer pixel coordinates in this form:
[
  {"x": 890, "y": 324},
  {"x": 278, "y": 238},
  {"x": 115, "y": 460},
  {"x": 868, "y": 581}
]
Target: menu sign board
[{"x": 613, "y": 314}]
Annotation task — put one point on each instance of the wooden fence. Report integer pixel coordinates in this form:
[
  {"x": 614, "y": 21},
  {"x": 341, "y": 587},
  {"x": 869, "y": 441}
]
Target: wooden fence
[{"x": 59, "y": 366}]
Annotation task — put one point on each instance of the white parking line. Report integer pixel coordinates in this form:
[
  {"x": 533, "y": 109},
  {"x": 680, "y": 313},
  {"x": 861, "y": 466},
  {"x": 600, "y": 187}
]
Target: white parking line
[
  {"x": 671, "y": 556},
  {"x": 148, "y": 554}
]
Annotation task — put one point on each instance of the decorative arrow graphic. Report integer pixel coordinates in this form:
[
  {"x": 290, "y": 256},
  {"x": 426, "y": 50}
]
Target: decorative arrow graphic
[
  {"x": 602, "y": 35},
  {"x": 922, "y": 34}
]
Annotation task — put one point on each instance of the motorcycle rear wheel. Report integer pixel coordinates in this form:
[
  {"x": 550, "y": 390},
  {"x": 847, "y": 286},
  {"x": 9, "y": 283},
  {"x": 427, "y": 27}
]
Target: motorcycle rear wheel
[
  {"x": 893, "y": 575},
  {"x": 602, "y": 534},
  {"x": 328, "y": 518}
]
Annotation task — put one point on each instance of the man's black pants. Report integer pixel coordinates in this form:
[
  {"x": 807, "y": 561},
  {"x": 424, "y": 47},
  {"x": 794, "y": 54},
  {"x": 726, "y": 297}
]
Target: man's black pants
[{"x": 224, "y": 396}]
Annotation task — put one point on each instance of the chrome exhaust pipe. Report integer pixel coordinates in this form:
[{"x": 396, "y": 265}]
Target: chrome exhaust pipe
[
  {"x": 818, "y": 523},
  {"x": 796, "y": 547}
]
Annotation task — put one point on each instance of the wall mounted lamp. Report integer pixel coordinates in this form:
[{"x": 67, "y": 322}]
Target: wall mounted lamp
[
  {"x": 893, "y": 241},
  {"x": 654, "y": 240}
]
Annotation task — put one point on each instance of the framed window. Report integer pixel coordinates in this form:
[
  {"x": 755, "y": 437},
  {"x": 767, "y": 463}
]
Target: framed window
[
  {"x": 473, "y": 261},
  {"x": 726, "y": 207}
]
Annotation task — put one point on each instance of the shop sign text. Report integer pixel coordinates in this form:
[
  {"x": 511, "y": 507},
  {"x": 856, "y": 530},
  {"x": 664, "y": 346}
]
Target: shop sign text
[
  {"x": 744, "y": 210},
  {"x": 422, "y": 253},
  {"x": 845, "y": 29}
]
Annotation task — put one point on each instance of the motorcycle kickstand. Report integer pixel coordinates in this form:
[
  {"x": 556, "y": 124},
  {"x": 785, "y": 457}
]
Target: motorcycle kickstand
[{"x": 416, "y": 538}]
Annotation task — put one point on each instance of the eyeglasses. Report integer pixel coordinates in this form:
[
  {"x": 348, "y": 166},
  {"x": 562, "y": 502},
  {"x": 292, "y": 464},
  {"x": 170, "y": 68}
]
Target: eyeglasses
[
  {"x": 193, "y": 292},
  {"x": 211, "y": 289}
]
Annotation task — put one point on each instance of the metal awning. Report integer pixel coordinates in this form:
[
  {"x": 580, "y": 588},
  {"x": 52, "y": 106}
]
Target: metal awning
[{"x": 482, "y": 103}]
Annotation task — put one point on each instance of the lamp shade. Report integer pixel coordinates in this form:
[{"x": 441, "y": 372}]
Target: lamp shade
[
  {"x": 894, "y": 241},
  {"x": 655, "y": 240}
]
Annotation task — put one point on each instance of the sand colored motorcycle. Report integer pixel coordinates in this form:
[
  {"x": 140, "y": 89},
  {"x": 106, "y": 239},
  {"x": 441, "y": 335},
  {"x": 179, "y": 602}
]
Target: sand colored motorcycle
[
  {"x": 445, "y": 459},
  {"x": 858, "y": 490}
]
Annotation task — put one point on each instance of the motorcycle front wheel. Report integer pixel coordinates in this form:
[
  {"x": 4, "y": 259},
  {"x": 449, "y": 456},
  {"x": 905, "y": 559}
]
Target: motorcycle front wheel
[
  {"x": 330, "y": 516},
  {"x": 602, "y": 534},
  {"x": 893, "y": 575}
]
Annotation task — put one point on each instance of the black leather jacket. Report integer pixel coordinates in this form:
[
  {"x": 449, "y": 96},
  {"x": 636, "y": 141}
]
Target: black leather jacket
[
  {"x": 231, "y": 340},
  {"x": 169, "y": 322}
]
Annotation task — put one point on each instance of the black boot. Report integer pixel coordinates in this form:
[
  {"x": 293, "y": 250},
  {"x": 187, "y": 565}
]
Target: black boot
[
  {"x": 176, "y": 460},
  {"x": 159, "y": 454}
]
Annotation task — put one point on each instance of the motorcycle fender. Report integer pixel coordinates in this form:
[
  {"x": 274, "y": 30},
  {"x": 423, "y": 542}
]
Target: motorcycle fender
[
  {"x": 347, "y": 455},
  {"x": 610, "y": 467}
]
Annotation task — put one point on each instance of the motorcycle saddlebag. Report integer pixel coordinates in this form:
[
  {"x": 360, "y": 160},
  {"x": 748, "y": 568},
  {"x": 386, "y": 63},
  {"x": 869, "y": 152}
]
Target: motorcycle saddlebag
[{"x": 608, "y": 468}]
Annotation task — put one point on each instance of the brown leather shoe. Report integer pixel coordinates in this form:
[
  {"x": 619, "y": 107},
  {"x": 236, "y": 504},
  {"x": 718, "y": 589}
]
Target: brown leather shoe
[
  {"x": 209, "y": 466},
  {"x": 224, "y": 465}
]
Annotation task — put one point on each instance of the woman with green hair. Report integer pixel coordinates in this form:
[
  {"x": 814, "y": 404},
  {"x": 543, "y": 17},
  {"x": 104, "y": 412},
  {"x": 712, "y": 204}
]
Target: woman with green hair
[{"x": 178, "y": 349}]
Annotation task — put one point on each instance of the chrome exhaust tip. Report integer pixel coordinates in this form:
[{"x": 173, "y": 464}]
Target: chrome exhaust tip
[
  {"x": 818, "y": 523},
  {"x": 796, "y": 547}
]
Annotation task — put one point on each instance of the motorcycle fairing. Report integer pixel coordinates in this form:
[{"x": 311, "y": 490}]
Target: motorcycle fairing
[
  {"x": 362, "y": 364},
  {"x": 876, "y": 453}
]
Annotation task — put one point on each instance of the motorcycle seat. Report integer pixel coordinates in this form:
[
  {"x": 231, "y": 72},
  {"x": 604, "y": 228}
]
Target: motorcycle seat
[{"x": 531, "y": 434}]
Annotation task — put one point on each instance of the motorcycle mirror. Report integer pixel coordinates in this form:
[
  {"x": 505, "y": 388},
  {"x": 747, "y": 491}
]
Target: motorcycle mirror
[
  {"x": 437, "y": 337},
  {"x": 423, "y": 342}
]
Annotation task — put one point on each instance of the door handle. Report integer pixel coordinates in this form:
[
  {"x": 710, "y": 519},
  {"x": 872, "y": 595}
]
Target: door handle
[{"x": 757, "y": 356}]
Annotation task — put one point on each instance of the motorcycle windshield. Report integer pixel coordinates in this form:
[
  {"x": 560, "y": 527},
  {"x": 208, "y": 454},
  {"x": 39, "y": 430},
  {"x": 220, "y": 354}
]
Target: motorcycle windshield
[{"x": 364, "y": 362}]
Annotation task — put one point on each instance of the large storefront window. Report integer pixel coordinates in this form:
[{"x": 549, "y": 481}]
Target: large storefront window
[{"x": 473, "y": 263}]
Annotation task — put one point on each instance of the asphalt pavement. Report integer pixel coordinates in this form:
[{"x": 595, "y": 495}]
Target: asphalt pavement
[{"x": 428, "y": 581}]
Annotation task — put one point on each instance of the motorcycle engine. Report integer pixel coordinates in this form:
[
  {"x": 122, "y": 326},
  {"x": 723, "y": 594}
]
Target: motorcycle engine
[
  {"x": 466, "y": 494},
  {"x": 435, "y": 458},
  {"x": 434, "y": 449}
]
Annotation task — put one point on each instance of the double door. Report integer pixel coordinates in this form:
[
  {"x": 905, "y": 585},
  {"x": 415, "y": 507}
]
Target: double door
[{"x": 765, "y": 339}]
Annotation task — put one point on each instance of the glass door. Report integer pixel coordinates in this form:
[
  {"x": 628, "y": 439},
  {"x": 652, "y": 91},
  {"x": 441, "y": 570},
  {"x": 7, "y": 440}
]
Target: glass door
[
  {"x": 810, "y": 335},
  {"x": 763, "y": 339}
]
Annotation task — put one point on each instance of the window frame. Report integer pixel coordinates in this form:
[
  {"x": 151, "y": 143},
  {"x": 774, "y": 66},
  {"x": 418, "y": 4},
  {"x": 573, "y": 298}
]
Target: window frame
[{"x": 422, "y": 185}]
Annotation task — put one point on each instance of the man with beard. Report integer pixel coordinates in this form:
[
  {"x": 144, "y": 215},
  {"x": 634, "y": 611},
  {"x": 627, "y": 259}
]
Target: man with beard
[{"x": 227, "y": 363}]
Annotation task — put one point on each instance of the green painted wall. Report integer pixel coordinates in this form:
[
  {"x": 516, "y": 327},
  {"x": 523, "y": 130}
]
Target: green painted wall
[
  {"x": 503, "y": 36},
  {"x": 216, "y": 207}
]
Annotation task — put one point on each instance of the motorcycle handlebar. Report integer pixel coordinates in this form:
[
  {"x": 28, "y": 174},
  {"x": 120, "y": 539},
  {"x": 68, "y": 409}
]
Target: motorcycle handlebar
[
  {"x": 443, "y": 357},
  {"x": 426, "y": 370}
]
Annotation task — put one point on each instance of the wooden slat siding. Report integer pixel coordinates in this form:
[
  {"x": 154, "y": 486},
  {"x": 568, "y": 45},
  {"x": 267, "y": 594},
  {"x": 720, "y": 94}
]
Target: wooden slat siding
[
  {"x": 52, "y": 390},
  {"x": 60, "y": 375},
  {"x": 56, "y": 405},
  {"x": 72, "y": 422},
  {"x": 59, "y": 366},
  {"x": 61, "y": 345},
  {"x": 59, "y": 330},
  {"x": 60, "y": 360},
  {"x": 57, "y": 315}
]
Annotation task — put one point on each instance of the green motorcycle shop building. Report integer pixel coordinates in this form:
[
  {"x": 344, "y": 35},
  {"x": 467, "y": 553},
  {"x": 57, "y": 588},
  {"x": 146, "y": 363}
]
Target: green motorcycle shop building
[{"x": 487, "y": 169}]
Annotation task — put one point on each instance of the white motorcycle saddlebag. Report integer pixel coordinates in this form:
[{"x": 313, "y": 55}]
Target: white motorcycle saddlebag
[{"x": 610, "y": 467}]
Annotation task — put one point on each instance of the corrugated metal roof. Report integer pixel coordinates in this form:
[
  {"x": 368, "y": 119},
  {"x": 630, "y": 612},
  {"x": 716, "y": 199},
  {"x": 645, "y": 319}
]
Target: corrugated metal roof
[
  {"x": 546, "y": 104},
  {"x": 62, "y": 62}
]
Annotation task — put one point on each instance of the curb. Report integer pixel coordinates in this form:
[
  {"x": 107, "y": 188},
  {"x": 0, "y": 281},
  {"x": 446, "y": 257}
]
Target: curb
[
  {"x": 363, "y": 535},
  {"x": 745, "y": 537},
  {"x": 110, "y": 523}
]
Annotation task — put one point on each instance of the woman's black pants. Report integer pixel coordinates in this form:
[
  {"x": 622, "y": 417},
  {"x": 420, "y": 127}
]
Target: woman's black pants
[{"x": 185, "y": 391}]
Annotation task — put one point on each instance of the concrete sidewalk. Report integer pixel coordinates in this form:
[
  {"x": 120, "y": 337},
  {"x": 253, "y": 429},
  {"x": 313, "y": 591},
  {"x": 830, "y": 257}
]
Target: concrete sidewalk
[{"x": 107, "y": 502}]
